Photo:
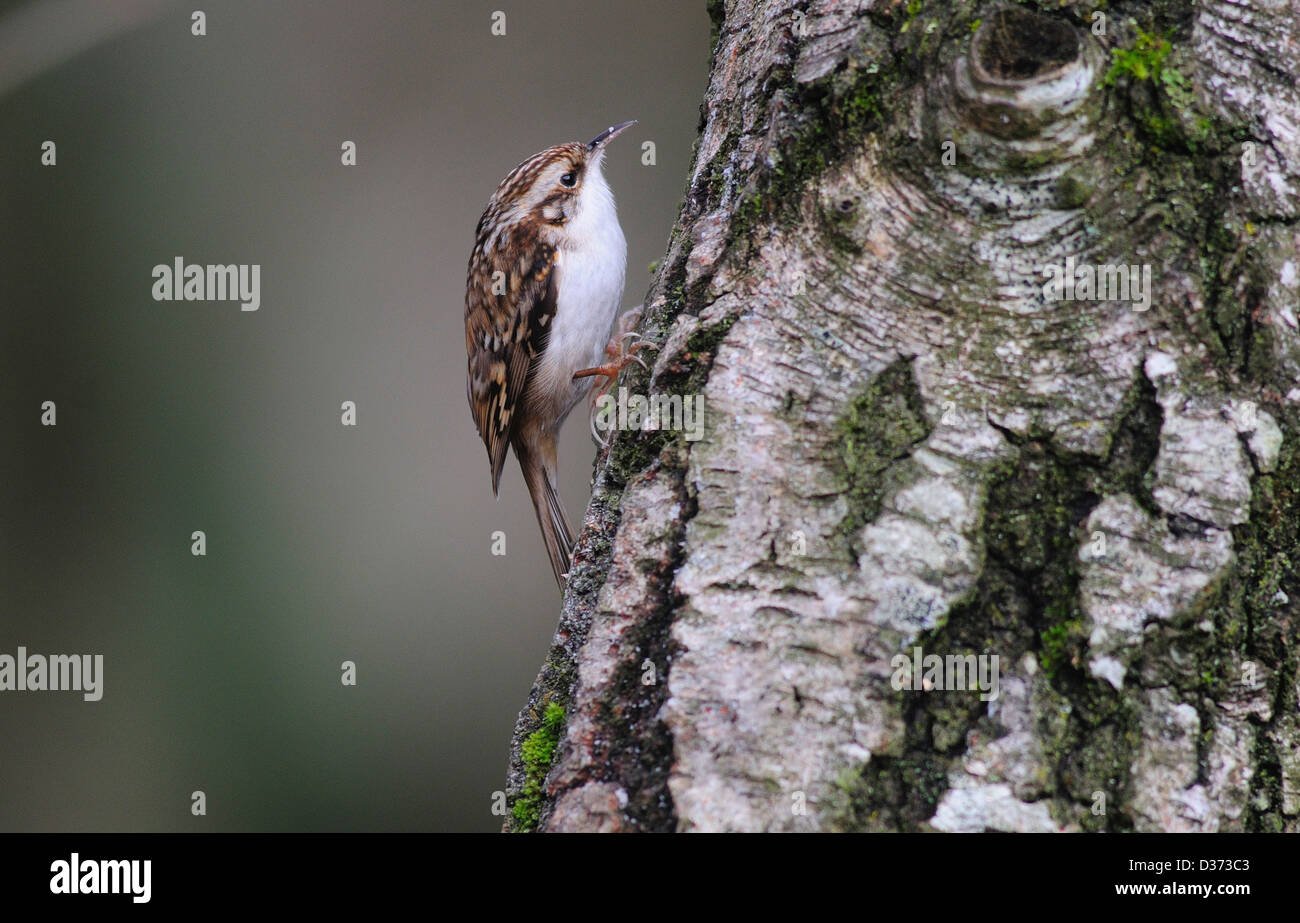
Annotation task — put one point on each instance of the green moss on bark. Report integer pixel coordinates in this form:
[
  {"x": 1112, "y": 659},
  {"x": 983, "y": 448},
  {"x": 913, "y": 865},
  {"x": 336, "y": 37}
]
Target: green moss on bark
[
  {"x": 537, "y": 752},
  {"x": 879, "y": 428}
]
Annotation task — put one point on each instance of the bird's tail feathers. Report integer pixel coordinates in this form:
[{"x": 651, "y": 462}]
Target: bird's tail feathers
[{"x": 550, "y": 513}]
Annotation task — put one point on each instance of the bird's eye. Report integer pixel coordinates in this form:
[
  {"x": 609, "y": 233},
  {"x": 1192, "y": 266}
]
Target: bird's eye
[{"x": 569, "y": 179}]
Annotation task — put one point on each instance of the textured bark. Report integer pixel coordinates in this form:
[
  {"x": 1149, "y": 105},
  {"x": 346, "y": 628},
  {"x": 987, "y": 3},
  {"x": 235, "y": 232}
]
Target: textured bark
[{"x": 909, "y": 446}]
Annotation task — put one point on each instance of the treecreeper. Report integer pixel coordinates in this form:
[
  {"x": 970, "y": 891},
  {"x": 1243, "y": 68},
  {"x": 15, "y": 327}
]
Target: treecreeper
[{"x": 543, "y": 290}]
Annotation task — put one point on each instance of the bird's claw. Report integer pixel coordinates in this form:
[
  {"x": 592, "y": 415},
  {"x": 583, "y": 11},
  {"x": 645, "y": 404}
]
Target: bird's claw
[
  {"x": 622, "y": 355},
  {"x": 622, "y": 351}
]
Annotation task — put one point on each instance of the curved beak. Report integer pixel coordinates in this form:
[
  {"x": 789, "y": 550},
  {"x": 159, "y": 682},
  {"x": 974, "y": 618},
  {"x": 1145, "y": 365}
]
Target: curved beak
[{"x": 608, "y": 135}]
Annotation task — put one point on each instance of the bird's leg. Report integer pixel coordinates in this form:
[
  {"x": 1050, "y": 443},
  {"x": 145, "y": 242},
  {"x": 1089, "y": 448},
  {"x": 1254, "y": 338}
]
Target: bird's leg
[
  {"x": 621, "y": 355},
  {"x": 620, "y": 352}
]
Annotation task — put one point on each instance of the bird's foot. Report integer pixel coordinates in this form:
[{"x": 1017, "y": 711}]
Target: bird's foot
[{"x": 621, "y": 354}]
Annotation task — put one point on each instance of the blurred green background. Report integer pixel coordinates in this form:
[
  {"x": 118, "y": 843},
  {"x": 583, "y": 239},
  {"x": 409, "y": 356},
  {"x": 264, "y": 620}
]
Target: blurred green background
[{"x": 325, "y": 543}]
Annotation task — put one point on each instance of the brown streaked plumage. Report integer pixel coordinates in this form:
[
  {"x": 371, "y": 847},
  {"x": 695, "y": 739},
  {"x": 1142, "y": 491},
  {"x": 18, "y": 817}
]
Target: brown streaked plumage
[{"x": 544, "y": 283}]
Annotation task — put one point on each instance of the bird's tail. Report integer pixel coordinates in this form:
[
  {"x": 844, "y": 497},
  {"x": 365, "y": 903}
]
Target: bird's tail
[{"x": 539, "y": 474}]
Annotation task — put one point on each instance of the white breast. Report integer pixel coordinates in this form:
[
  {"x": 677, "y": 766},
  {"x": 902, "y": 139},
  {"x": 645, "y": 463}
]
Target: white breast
[{"x": 591, "y": 267}]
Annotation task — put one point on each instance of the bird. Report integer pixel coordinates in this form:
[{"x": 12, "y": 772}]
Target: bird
[{"x": 543, "y": 289}]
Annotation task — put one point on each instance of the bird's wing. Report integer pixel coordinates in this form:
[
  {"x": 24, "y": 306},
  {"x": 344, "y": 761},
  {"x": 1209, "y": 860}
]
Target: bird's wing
[{"x": 504, "y": 332}]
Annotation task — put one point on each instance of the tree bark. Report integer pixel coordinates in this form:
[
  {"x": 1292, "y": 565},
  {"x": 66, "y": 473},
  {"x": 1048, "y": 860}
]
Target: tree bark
[{"x": 911, "y": 448}]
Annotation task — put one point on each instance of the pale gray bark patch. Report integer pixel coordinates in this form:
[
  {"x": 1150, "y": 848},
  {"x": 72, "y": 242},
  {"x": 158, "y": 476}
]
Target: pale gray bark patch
[
  {"x": 1135, "y": 571},
  {"x": 1244, "y": 52},
  {"x": 1166, "y": 796}
]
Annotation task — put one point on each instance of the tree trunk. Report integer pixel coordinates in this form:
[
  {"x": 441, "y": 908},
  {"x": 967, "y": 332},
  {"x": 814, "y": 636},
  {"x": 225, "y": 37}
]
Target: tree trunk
[{"x": 916, "y": 446}]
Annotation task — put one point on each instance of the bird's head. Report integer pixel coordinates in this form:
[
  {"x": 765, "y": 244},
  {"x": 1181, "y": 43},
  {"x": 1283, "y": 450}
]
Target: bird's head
[{"x": 552, "y": 186}]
